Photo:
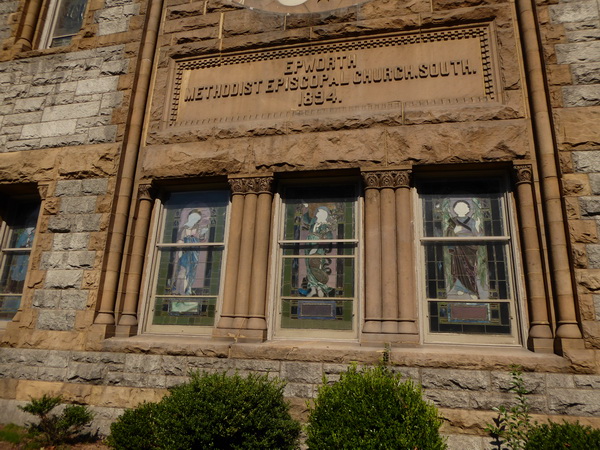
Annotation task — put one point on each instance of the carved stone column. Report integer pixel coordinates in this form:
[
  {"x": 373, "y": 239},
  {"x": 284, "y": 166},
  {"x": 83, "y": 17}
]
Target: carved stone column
[
  {"x": 389, "y": 272},
  {"x": 389, "y": 258},
  {"x": 540, "y": 333},
  {"x": 244, "y": 297},
  {"x": 128, "y": 322},
  {"x": 258, "y": 297},
  {"x": 405, "y": 252},
  {"x": 373, "y": 304},
  {"x": 233, "y": 254}
]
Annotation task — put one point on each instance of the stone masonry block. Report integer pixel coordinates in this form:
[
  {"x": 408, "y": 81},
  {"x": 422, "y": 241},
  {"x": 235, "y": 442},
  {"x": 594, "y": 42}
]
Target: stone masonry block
[
  {"x": 86, "y": 373},
  {"x": 75, "y": 111},
  {"x": 143, "y": 364},
  {"x": 299, "y": 390},
  {"x": 87, "y": 222},
  {"x": 586, "y": 73},
  {"x": 455, "y": 379},
  {"x": 63, "y": 279},
  {"x": 22, "y": 118},
  {"x": 175, "y": 366},
  {"x": 57, "y": 320},
  {"x": 559, "y": 380},
  {"x": 596, "y": 298},
  {"x": 576, "y": 11},
  {"x": 587, "y": 381},
  {"x": 447, "y": 399},
  {"x": 97, "y": 86},
  {"x": 300, "y": 372},
  {"x": 593, "y": 254},
  {"x": 47, "y": 299},
  {"x": 590, "y": 206},
  {"x": 111, "y": 359},
  {"x": 68, "y": 188},
  {"x": 78, "y": 205},
  {"x": 584, "y": 95},
  {"x": 48, "y": 129},
  {"x": 252, "y": 365},
  {"x": 29, "y": 104},
  {"x": 99, "y": 135},
  {"x": 595, "y": 183},
  {"x": 74, "y": 300},
  {"x": 71, "y": 241},
  {"x": 534, "y": 383},
  {"x": 68, "y": 260},
  {"x": 574, "y": 402},
  {"x": 587, "y": 162},
  {"x": 95, "y": 186},
  {"x": 576, "y": 53}
]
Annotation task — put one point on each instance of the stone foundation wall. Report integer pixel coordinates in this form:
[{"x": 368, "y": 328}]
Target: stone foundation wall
[
  {"x": 112, "y": 381},
  {"x": 7, "y": 8}
]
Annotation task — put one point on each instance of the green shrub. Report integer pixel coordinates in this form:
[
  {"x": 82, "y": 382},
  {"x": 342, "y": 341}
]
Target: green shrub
[
  {"x": 373, "y": 409},
  {"x": 554, "y": 436},
  {"x": 55, "y": 429},
  {"x": 211, "y": 411}
]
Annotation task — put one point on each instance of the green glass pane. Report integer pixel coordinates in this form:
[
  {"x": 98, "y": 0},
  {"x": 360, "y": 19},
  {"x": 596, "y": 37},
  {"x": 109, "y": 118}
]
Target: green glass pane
[
  {"x": 189, "y": 271},
  {"x": 186, "y": 311},
  {"x": 317, "y": 314},
  {"x": 9, "y": 305},
  {"x": 320, "y": 213},
  {"x": 469, "y": 317},
  {"x": 463, "y": 209},
  {"x": 466, "y": 271},
  {"x": 318, "y": 277},
  {"x": 195, "y": 217}
]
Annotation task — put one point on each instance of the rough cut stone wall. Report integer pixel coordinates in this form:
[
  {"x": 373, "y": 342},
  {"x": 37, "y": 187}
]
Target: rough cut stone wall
[
  {"x": 571, "y": 31},
  {"x": 7, "y": 7},
  {"x": 112, "y": 381},
  {"x": 60, "y": 100}
]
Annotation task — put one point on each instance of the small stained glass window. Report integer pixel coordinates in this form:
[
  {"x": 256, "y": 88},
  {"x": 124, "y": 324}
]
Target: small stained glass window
[
  {"x": 190, "y": 258},
  {"x": 466, "y": 247},
  {"x": 318, "y": 258},
  {"x": 19, "y": 231}
]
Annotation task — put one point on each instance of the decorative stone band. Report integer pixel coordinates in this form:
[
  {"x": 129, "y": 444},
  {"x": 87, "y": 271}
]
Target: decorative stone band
[
  {"x": 258, "y": 185},
  {"x": 146, "y": 192},
  {"x": 387, "y": 179},
  {"x": 523, "y": 173}
]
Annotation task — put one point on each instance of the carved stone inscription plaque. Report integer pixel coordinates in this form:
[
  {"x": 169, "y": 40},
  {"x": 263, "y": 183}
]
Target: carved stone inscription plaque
[{"x": 451, "y": 66}]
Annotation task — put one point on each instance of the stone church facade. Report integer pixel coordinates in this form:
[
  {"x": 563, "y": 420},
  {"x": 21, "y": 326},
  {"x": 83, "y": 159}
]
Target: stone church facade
[{"x": 289, "y": 186}]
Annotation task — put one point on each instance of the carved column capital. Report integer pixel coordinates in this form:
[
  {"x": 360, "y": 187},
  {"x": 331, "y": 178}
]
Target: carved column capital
[
  {"x": 145, "y": 192},
  {"x": 387, "y": 179},
  {"x": 523, "y": 173},
  {"x": 257, "y": 185}
]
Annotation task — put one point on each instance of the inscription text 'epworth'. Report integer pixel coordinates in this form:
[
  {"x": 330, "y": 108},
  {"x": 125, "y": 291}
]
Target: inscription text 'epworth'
[{"x": 380, "y": 73}]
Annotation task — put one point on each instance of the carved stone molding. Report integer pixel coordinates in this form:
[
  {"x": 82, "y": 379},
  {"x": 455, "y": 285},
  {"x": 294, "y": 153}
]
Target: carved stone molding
[
  {"x": 523, "y": 173},
  {"x": 258, "y": 185},
  {"x": 387, "y": 179}
]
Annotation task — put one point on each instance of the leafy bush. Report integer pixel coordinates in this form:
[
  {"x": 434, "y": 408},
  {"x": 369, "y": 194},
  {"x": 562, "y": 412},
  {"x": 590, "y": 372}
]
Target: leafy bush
[
  {"x": 373, "y": 409},
  {"x": 211, "y": 411},
  {"x": 554, "y": 436},
  {"x": 55, "y": 429}
]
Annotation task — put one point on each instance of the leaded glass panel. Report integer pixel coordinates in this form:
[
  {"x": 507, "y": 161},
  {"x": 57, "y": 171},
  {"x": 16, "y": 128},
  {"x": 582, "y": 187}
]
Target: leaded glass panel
[
  {"x": 466, "y": 254},
  {"x": 190, "y": 258},
  {"x": 318, "y": 250}
]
